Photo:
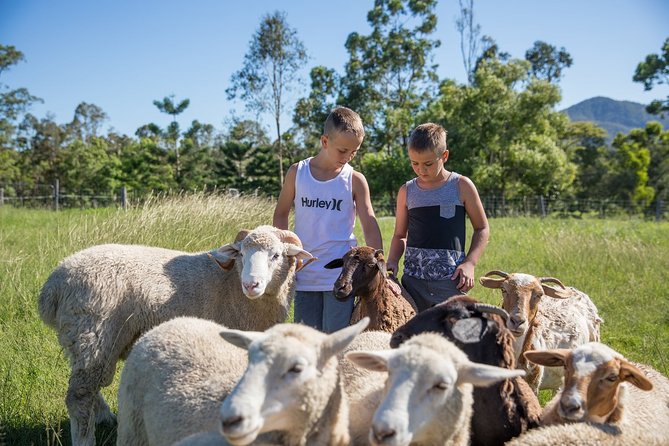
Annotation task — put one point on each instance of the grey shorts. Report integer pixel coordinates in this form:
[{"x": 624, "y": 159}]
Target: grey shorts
[
  {"x": 322, "y": 311},
  {"x": 427, "y": 293}
]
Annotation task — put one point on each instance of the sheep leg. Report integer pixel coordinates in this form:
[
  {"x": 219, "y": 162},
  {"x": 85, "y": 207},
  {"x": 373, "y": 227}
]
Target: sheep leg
[
  {"x": 103, "y": 413},
  {"x": 81, "y": 400}
]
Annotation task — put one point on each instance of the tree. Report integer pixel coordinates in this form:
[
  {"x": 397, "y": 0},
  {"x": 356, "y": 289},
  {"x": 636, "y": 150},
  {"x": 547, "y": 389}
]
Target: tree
[
  {"x": 469, "y": 37},
  {"x": 655, "y": 71},
  {"x": 87, "y": 121},
  {"x": 389, "y": 76},
  {"x": 167, "y": 105},
  {"x": 585, "y": 144},
  {"x": 311, "y": 112},
  {"x": 270, "y": 68},
  {"x": 547, "y": 61}
]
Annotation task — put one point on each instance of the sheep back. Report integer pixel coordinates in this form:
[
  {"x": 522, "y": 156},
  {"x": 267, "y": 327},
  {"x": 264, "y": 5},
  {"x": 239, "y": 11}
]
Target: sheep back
[{"x": 175, "y": 380}]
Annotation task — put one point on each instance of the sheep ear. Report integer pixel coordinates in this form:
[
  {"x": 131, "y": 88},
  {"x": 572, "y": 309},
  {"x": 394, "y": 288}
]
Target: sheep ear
[
  {"x": 550, "y": 358},
  {"x": 483, "y": 375},
  {"x": 340, "y": 339},
  {"x": 225, "y": 255},
  {"x": 376, "y": 361},
  {"x": 241, "y": 339},
  {"x": 491, "y": 282},
  {"x": 630, "y": 373},
  {"x": 303, "y": 257},
  {"x": 557, "y": 293},
  {"x": 336, "y": 263},
  {"x": 380, "y": 261}
]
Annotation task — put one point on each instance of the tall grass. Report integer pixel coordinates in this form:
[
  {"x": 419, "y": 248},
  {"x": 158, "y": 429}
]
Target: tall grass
[{"x": 621, "y": 264}]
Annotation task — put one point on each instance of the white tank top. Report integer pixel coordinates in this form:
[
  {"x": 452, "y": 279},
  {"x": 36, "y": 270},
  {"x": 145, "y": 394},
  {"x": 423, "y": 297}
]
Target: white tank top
[{"x": 324, "y": 221}]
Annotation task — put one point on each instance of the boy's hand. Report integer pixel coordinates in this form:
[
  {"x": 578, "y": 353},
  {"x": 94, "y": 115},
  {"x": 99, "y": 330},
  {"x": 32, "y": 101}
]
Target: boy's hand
[
  {"x": 464, "y": 277},
  {"x": 392, "y": 267}
]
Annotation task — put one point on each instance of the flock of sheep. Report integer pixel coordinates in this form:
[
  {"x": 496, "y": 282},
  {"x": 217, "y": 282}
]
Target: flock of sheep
[{"x": 209, "y": 360}]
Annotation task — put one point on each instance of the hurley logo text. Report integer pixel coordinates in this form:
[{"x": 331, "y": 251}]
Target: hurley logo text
[{"x": 332, "y": 204}]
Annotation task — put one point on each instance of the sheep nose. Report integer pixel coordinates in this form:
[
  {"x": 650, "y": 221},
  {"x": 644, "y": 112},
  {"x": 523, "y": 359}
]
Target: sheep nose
[
  {"x": 232, "y": 422},
  {"x": 381, "y": 435},
  {"x": 517, "y": 321},
  {"x": 570, "y": 407},
  {"x": 249, "y": 286}
]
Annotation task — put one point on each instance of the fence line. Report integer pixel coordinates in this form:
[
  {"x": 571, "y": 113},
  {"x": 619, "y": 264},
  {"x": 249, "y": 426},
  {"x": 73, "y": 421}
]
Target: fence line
[{"x": 54, "y": 197}]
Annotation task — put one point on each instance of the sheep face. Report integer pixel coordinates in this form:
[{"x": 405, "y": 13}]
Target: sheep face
[
  {"x": 521, "y": 294},
  {"x": 428, "y": 389},
  {"x": 291, "y": 373},
  {"x": 594, "y": 377},
  {"x": 264, "y": 253},
  {"x": 464, "y": 321},
  {"x": 362, "y": 269}
]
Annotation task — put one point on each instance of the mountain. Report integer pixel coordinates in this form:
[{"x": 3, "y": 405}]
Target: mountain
[{"x": 613, "y": 116}]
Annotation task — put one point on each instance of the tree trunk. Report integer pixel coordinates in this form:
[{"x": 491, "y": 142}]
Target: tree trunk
[{"x": 279, "y": 151}]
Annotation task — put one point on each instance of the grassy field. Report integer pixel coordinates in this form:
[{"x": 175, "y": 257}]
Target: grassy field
[{"x": 621, "y": 264}]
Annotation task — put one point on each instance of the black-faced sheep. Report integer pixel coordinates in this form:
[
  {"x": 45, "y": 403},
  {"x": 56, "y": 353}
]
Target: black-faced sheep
[
  {"x": 428, "y": 393},
  {"x": 380, "y": 298},
  {"x": 566, "y": 320},
  {"x": 601, "y": 386},
  {"x": 101, "y": 299},
  {"x": 501, "y": 411}
]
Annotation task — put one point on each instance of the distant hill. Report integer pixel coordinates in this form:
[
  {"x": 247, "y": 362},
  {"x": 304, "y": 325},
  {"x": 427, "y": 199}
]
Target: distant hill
[{"x": 613, "y": 116}]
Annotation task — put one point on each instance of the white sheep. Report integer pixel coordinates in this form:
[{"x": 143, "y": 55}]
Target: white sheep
[
  {"x": 601, "y": 386},
  {"x": 292, "y": 385},
  {"x": 581, "y": 434},
  {"x": 428, "y": 394},
  {"x": 566, "y": 318},
  {"x": 101, "y": 299},
  {"x": 174, "y": 381},
  {"x": 178, "y": 375}
]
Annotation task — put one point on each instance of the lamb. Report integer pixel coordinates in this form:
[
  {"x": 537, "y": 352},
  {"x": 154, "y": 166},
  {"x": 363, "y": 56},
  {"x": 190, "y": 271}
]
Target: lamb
[
  {"x": 381, "y": 298},
  {"x": 428, "y": 396},
  {"x": 101, "y": 299},
  {"x": 568, "y": 320},
  {"x": 292, "y": 385},
  {"x": 505, "y": 410},
  {"x": 601, "y": 386}
]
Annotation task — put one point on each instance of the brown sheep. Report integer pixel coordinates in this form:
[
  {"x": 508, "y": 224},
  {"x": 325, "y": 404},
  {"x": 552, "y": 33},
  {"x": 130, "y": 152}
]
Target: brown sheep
[{"x": 380, "y": 297}]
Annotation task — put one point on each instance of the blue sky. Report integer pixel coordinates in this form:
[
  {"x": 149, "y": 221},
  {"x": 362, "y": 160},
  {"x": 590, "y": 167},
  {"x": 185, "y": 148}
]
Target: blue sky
[{"x": 123, "y": 54}]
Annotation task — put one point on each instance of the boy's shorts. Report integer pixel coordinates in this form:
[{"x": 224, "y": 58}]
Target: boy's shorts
[
  {"x": 322, "y": 311},
  {"x": 427, "y": 293}
]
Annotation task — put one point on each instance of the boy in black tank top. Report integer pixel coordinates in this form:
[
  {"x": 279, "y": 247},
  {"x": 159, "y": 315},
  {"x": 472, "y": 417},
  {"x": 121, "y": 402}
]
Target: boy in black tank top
[{"x": 430, "y": 224}]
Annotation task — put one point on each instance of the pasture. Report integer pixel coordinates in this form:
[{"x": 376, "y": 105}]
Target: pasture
[{"x": 621, "y": 264}]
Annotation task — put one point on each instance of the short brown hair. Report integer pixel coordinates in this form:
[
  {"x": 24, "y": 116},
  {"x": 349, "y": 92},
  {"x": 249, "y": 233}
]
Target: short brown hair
[
  {"x": 343, "y": 119},
  {"x": 428, "y": 136}
]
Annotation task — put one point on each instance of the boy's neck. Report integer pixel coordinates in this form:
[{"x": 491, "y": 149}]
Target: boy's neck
[
  {"x": 434, "y": 183},
  {"x": 322, "y": 170}
]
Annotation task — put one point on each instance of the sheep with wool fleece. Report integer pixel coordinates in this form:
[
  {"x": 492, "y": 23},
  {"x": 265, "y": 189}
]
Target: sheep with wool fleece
[
  {"x": 100, "y": 300},
  {"x": 428, "y": 394}
]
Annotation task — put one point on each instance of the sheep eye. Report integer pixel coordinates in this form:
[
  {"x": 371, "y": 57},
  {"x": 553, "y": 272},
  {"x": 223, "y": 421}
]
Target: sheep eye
[
  {"x": 612, "y": 378},
  {"x": 275, "y": 257},
  {"x": 441, "y": 385},
  {"x": 371, "y": 265},
  {"x": 296, "y": 368}
]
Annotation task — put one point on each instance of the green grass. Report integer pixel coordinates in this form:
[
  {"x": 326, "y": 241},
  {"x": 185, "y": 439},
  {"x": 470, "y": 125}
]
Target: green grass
[{"x": 621, "y": 264}]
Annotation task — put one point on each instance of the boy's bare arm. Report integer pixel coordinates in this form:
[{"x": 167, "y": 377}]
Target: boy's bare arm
[
  {"x": 399, "y": 242},
  {"x": 363, "y": 204},
  {"x": 285, "y": 201},
  {"x": 464, "y": 273}
]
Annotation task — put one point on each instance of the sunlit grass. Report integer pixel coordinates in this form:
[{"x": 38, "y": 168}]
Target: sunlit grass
[{"x": 621, "y": 264}]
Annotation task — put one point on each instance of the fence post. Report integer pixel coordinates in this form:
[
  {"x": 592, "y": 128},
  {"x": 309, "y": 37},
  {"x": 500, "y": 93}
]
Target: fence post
[
  {"x": 56, "y": 192},
  {"x": 2, "y": 196},
  {"x": 658, "y": 208},
  {"x": 124, "y": 198},
  {"x": 542, "y": 204}
]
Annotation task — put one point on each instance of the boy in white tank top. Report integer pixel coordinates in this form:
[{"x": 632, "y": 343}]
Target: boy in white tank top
[{"x": 327, "y": 192}]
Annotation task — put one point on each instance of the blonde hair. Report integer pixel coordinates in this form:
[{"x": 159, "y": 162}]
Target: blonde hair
[
  {"x": 428, "y": 136},
  {"x": 343, "y": 119}
]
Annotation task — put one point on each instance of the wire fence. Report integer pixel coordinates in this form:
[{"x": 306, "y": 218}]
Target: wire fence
[{"x": 52, "y": 196}]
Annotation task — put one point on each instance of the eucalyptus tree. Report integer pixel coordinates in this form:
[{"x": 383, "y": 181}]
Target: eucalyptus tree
[
  {"x": 170, "y": 107},
  {"x": 655, "y": 71},
  {"x": 389, "y": 75},
  {"x": 547, "y": 61},
  {"x": 312, "y": 111},
  {"x": 88, "y": 118},
  {"x": 271, "y": 66},
  {"x": 469, "y": 32}
]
